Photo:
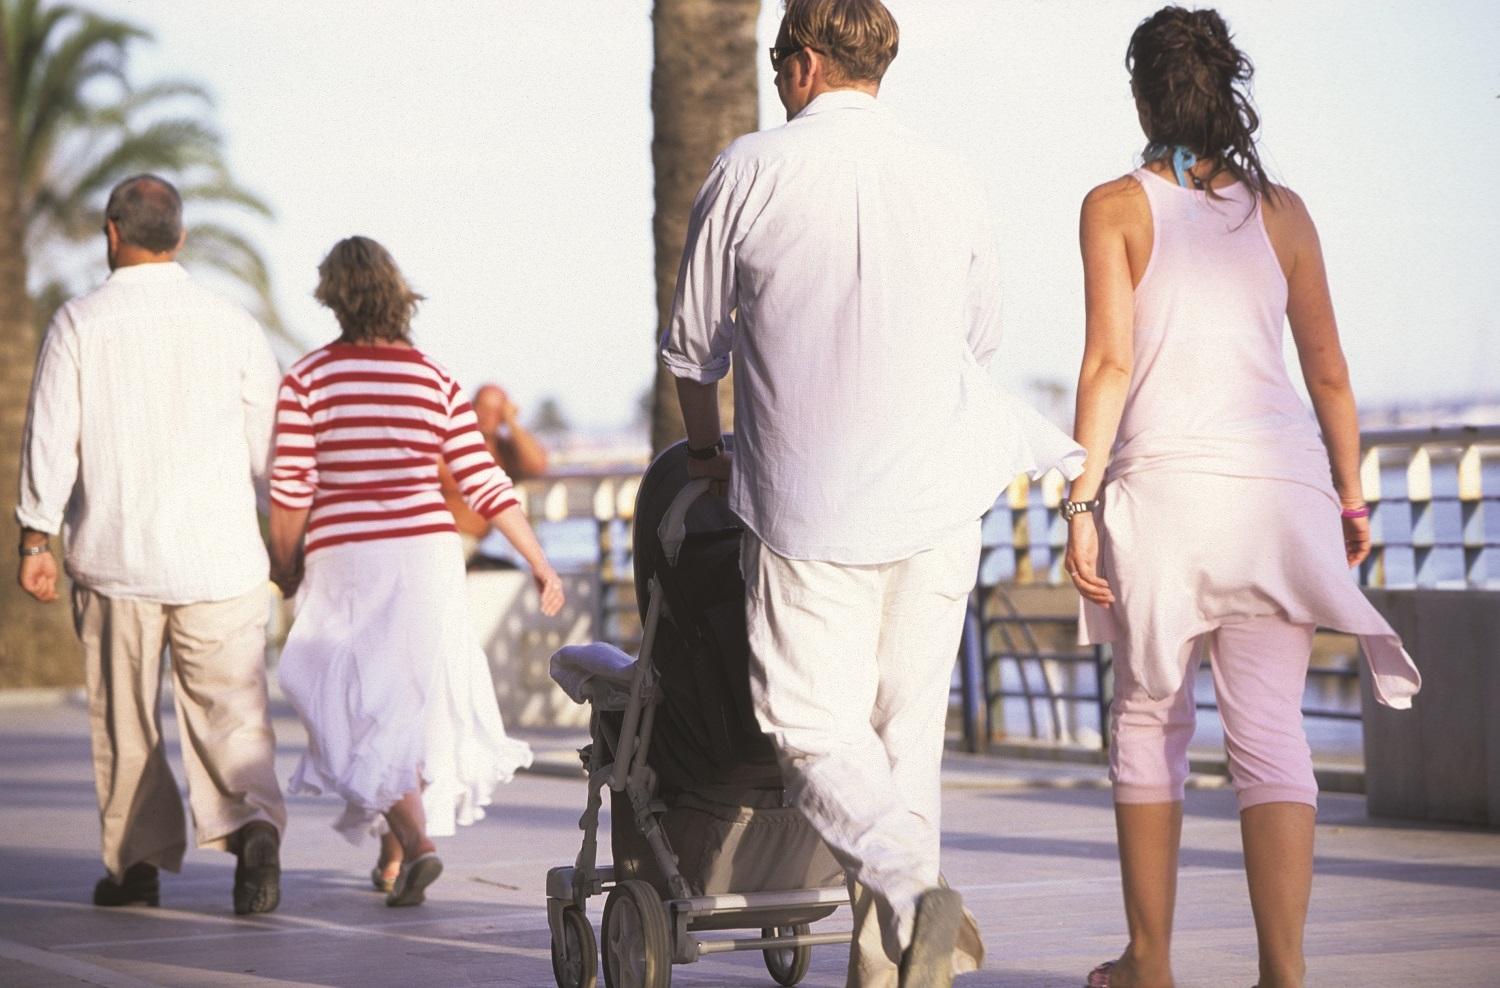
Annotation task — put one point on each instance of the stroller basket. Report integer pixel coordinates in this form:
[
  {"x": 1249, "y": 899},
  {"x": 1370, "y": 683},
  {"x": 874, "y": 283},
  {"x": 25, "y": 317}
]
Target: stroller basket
[{"x": 700, "y": 830}]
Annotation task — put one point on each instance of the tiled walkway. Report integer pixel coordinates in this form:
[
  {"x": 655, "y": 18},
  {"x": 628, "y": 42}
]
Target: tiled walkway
[{"x": 1032, "y": 851}]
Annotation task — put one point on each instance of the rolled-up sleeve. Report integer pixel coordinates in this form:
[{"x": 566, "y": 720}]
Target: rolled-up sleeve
[
  {"x": 49, "y": 447},
  {"x": 700, "y": 333}
]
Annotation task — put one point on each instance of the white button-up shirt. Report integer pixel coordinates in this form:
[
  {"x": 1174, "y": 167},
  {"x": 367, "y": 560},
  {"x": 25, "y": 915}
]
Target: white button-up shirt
[
  {"x": 851, "y": 268},
  {"x": 148, "y": 434}
]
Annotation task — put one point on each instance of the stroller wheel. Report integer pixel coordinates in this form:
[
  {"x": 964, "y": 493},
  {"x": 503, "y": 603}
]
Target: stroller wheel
[
  {"x": 575, "y": 956},
  {"x": 637, "y": 941},
  {"x": 788, "y": 965}
]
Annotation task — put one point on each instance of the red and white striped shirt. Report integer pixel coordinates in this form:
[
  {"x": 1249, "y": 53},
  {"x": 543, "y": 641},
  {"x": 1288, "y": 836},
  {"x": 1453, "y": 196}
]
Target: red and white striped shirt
[{"x": 359, "y": 430}]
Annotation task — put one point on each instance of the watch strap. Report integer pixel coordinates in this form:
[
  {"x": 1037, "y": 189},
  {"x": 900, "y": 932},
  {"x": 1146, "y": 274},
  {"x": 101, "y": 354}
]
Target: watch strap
[{"x": 708, "y": 452}]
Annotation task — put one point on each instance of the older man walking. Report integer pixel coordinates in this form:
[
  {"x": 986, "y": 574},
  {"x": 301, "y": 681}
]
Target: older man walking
[
  {"x": 849, "y": 266},
  {"x": 149, "y": 426}
]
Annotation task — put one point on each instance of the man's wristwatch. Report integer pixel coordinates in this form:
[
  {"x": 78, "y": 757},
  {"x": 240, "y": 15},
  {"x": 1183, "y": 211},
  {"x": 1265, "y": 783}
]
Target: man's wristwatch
[
  {"x": 34, "y": 550},
  {"x": 1071, "y": 508},
  {"x": 706, "y": 453}
]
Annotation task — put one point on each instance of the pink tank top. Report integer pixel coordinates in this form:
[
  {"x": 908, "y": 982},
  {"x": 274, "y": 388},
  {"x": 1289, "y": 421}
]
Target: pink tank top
[{"x": 1210, "y": 391}]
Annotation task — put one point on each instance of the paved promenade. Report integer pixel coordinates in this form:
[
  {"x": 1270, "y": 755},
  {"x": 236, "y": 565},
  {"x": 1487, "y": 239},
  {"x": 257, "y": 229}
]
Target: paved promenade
[{"x": 1030, "y": 846}]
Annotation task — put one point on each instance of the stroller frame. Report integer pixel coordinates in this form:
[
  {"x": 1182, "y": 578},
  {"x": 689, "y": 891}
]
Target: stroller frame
[{"x": 619, "y": 762}]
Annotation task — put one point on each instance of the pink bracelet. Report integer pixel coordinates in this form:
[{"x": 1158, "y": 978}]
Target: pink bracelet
[{"x": 1363, "y": 511}]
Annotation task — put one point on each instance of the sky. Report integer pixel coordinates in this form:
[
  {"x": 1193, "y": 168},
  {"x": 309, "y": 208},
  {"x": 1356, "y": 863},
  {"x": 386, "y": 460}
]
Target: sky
[{"x": 501, "y": 150}]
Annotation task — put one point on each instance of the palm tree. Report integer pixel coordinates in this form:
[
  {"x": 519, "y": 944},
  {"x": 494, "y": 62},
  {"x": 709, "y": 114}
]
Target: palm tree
[
  {"x": 81, "y": 126},
  {"x": 703, "y": 95},
  {"x": 36, "y": 642}
]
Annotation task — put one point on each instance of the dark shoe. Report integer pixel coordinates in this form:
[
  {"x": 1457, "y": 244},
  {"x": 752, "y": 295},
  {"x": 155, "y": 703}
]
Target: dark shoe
[
  {"x": 257, "y": 871},
  {"x": 140, "y": 886},
  {"x": 410, "y": 887},
  {"x": 928, "y": 962}
]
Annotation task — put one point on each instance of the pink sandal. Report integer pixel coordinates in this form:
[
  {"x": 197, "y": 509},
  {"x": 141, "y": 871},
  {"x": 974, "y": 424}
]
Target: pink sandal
[{"x": 1099, "y": 976}]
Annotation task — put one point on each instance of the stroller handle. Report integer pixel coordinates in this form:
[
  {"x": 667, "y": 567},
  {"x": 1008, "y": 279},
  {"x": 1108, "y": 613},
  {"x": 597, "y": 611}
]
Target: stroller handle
[{"x": 673, "y": 528}]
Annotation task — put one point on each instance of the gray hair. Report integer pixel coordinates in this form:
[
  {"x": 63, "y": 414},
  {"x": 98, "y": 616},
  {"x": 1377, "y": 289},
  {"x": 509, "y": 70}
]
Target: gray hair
[{"x": 147, "y": 213}]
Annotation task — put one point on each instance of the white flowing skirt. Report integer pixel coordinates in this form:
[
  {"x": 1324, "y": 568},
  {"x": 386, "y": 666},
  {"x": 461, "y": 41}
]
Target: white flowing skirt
[{"x": 382, "y": 666}]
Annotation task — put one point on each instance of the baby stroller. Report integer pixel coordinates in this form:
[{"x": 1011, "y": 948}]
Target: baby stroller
[{"x": 702, "y": 835}]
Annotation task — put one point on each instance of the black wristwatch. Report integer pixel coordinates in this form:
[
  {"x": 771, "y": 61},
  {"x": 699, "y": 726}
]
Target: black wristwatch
[{"x": 708, "y": 452}]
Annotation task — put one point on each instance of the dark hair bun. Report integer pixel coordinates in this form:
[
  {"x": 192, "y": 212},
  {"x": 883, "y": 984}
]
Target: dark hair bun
[{"x": 1193, "y": 83}]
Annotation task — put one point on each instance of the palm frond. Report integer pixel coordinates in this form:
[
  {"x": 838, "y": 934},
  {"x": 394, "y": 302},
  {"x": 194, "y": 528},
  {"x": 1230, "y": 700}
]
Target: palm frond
[
  {"x": 223, "y": 191},
  {"x": 77, "y": 138},
  {"x": 228, "y": 252},
  {"x": 53, "y": 93},
  {"x": 174, "y": 146},
  {"x": 122, "y": 112}
]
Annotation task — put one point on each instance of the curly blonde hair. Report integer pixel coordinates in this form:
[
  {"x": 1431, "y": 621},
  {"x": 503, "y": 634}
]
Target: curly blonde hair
[{"x": 360, "y": 282}]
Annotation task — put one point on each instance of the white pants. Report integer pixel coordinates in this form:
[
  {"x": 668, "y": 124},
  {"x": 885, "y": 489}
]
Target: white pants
[{"x": 850, "y": 672}]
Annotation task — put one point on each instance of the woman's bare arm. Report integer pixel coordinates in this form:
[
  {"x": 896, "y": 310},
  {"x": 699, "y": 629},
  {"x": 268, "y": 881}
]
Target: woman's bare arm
[
  {"x": 1309, "y": 310},
  {"x": 1104, "y": 378}
]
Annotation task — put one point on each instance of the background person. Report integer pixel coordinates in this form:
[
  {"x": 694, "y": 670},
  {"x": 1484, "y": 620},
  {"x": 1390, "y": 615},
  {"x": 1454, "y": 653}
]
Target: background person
[
  {"x": 519, "y": 454},
  {"x": 850, "y": 268},
  {"x": 1227, "y": 525},
  {"x": 149, "y": 429},
  {"x": 381, "y": 660}
]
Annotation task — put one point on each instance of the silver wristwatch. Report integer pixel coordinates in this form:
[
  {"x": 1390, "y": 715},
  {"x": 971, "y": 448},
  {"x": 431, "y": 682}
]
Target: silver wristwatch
[{"x": 1071, "y": 508}]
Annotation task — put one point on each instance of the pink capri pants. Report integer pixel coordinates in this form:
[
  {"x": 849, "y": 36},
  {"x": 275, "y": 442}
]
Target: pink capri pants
[{"x": 1260, "y": 668}]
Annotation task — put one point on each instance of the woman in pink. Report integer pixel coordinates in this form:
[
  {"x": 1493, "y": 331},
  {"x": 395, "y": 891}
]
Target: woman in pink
[
  {"x": 1215, "y": 515},
  {"x": 381, "y": 661}
]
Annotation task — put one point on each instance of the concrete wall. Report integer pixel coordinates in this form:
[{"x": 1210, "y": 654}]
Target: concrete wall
[
  {"x": 1439, "y": 760},
  {"x": 520, "y": 640}
]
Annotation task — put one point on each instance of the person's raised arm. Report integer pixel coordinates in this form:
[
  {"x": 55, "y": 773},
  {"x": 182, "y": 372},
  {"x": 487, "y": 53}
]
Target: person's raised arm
[
  {"x": 49, "y": 455},
  {"x": 1309, "y": 310},
  {"x": 1108, "y": 356},
  {"x": 521, "y": 454},
  {"x": 490, "y": 493}
]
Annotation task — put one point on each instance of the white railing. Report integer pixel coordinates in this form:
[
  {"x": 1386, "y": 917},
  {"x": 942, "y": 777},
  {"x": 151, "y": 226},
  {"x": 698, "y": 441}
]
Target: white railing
[
  {"x": 1435, "y": 495},
  {"x": 1436, "y": 500}
]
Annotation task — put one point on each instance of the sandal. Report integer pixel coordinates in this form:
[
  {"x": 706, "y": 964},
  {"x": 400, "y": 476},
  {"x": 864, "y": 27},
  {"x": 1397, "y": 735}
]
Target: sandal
[
  {"x": 1099, "y": 976},
  {"x": 382, "y": 879}
]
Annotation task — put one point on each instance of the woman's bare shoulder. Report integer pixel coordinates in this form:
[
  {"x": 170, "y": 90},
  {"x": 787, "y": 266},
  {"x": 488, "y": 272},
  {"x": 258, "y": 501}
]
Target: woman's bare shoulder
[
  {"x": 1125, "y": 189},
  {"x": 1115, "y": 203},
  {"x": 1287, "y": 218}
]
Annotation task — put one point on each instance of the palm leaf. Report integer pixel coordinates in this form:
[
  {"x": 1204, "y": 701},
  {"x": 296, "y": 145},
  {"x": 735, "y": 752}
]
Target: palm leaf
[
  {"x": 222, "y": 191},
  {"x": 57, "y": 75},
  {"x": 228, "y": 252},
  {"x": 172, "y": 146},
  {"x": 78, "y": 138},
  {"x": 137, "y": 101}
]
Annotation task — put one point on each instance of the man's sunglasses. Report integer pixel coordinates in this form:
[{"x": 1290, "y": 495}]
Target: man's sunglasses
[{"x": 780, "y": 53}]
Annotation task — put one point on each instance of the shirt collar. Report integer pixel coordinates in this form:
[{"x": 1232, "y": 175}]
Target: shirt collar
[
  {"x": 140, "y": 273},
  {"x": 839, "y": 99}
]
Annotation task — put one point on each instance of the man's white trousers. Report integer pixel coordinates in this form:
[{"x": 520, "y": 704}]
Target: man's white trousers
[{"x": 851, "y": 668}]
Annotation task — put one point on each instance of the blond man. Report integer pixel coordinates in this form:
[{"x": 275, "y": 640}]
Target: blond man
[
  {"x": 849, "y": 269},
  {"x": 149, "y": 425}
]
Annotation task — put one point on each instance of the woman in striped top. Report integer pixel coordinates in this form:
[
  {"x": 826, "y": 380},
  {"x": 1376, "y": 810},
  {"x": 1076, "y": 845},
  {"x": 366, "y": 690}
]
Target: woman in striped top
[{"x": 381, "y": 662}]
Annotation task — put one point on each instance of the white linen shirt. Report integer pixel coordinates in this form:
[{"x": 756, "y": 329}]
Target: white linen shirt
[
  {"x": 851, "y": 268},
  {"x": 148, "y": 436}
]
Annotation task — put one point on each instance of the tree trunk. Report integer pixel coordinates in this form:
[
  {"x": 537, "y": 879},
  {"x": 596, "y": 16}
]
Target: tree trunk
[
  {"x": 703, "y": 95},
  {"x": 37, "y": 646}
]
